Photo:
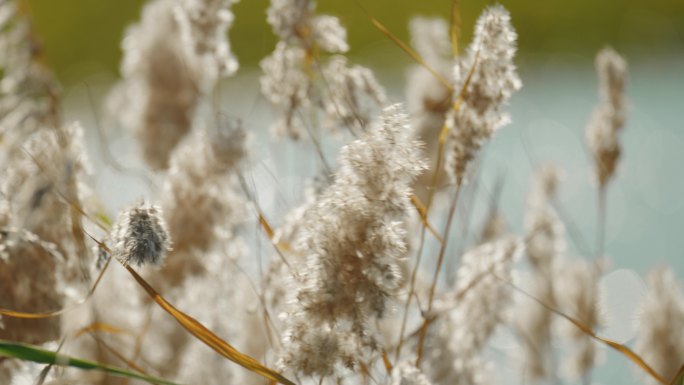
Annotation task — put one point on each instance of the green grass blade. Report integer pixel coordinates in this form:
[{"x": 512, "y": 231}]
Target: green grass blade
[{"x": 42, "y": 356}]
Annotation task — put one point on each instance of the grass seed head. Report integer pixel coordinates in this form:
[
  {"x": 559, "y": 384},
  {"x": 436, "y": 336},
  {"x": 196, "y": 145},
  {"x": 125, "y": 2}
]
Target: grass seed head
[{"x": 140, "y": 236}]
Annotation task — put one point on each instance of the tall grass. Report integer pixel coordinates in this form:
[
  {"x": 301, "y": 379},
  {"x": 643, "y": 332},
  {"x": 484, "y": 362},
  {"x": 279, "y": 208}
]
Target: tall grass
[{"x": 359, "y": 288}]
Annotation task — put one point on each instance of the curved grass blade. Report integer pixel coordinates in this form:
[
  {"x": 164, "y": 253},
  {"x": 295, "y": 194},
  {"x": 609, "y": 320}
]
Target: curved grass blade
[
  {"x": 205, "y": 335},
  {"x": 678, "y": 379},
  {"x": 118, "y": 355},
  {"x": 95, "y": 326},
  {"x": 620, "y": 348},
  {"x": 422, "y": 211},
  {"x": 101, "y": 327},
  {"x": 35, "y": 354},
  {"x": 405, "y": 47}
]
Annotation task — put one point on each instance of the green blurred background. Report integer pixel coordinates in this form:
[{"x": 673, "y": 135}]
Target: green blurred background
[{"x": 82, "y": 37}]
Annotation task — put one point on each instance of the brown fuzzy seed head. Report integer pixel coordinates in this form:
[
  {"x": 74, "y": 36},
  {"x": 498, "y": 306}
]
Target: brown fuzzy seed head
[{"x": 608, "y": 118}]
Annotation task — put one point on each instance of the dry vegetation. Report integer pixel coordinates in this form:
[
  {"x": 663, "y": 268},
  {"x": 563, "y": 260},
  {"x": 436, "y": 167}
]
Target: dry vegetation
[{"x": 348, "y": 296}]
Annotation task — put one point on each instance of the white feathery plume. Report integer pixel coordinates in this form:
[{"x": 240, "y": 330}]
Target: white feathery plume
[
  {"x": 200, "y": 202},
  {"x": 288, "y": 18},
  {"x": 353, "y": 239},
  {"x": 486, "y": 269},
  {"x": 545, "y": 243},
  {"x": 660, "y": 337},
  {"x": 299, "y": 86},
  {"x": 287, "y": 86},
  {"x": 544, "y": 230},
  {"x": 163, "y": 81},
  {"x": 406, "y": 373},
  {"x": 352, "y": 94},
  {"x": 483, "y": 277},
  {"x": 489, "y": 76},
  {"x": 577, "y": 294},
  {"x": 203, "y": 26},
  {"x": 329, "y": 34}
]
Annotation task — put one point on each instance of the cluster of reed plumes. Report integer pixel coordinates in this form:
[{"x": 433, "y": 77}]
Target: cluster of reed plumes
[{"x": 161, "y": 293}]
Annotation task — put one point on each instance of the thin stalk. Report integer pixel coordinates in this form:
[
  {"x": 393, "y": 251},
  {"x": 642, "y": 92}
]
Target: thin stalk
[
  {"x": 421, "y": 245},
  {"x": 412, "y": 284},
  {"x": 433, "y": 184},
  {"x": 600, "y": 244},
  {"x": 620, "y": 348},
  {"x": 601, "y": 232},
  {"x": 438, "y": 268}
]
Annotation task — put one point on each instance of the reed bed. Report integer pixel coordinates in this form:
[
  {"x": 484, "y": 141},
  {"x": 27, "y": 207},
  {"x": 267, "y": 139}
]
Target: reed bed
[{"x": 364, "y": 284}]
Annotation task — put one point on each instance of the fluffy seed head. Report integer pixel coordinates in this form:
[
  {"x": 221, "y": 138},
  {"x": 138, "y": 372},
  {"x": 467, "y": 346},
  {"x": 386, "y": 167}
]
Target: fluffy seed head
[
  {"x": 204, "y": 25},
  {"x": 405, "y": 373},
  {"x": 430, "y": 38},
  {"x": 172, "y": 58},
  {"x": 140, "y": 235},
  {"x": 481, "y": 309},
  {"x": 545, "y": 242},
  {"x": 488, "y": 78},
  {"x": 329, "y": 34},
  {"x": 286, "y": 86},
  {"x": 354, "y": 238},
  {"x": 544, "y": 230},
  {"x": 660, "y": 338},
  {"x": 609, "y": 115},
  {"x": 577, "y": 293},
  {"x": 454, "y": 349},
  {"x": 354, "y": 95},
  {"x": 200, "y": 203},
  {"x": 288, "y": 16}
]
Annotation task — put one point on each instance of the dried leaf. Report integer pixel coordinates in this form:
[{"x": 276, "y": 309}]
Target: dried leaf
[
  {"x": 205, "y": 335},
  {"x": 405, "y": 47}
]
